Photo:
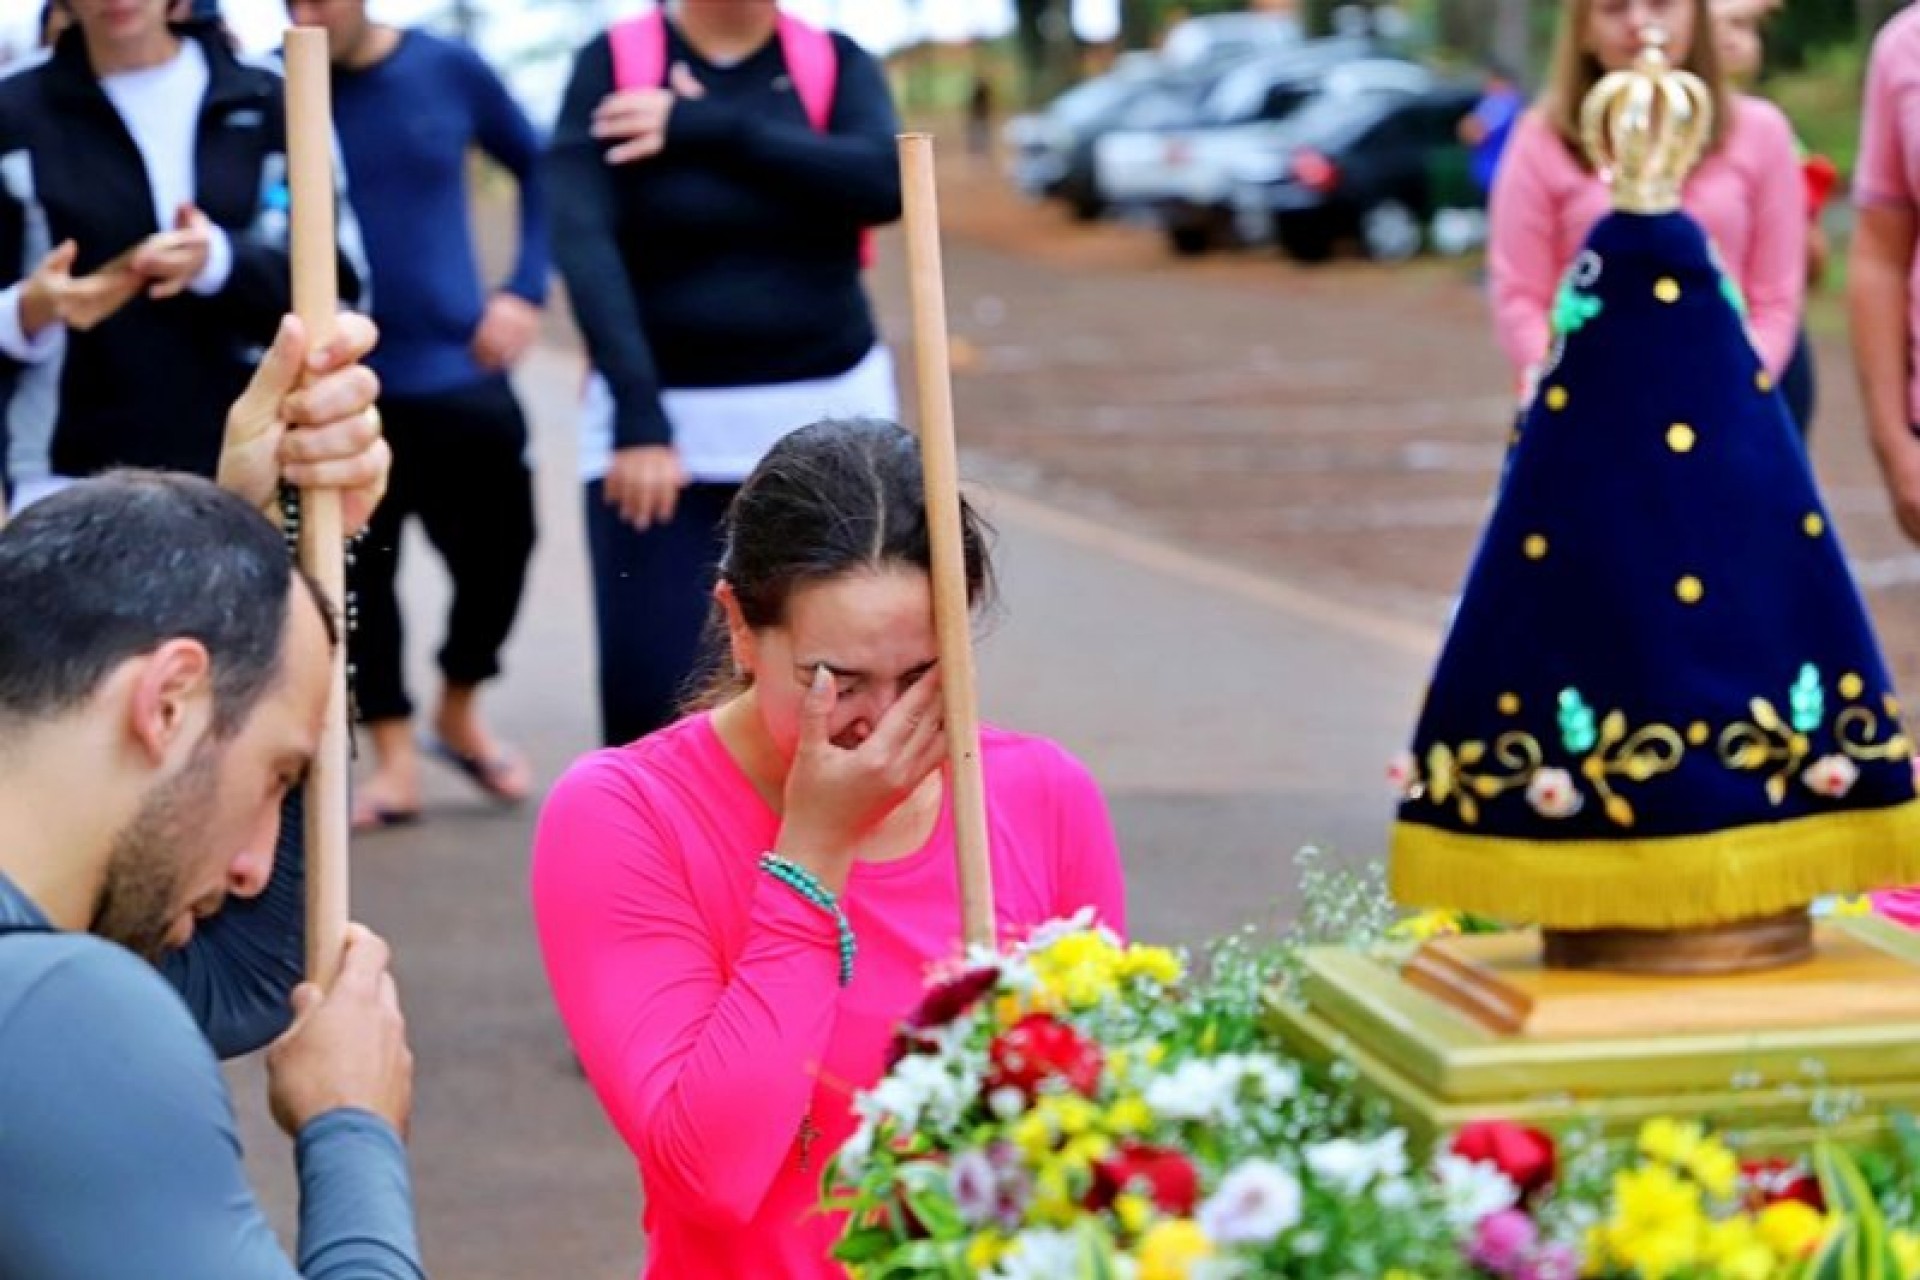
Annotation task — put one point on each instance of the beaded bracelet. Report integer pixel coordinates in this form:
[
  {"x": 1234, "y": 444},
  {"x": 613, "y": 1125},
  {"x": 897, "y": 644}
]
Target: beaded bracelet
[{"x": 808, "y": 886}]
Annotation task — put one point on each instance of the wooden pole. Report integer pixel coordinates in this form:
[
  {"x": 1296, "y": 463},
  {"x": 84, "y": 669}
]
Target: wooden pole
[
  {"x": 940, "y": 462},
  {"x": 322, "y": 537}
]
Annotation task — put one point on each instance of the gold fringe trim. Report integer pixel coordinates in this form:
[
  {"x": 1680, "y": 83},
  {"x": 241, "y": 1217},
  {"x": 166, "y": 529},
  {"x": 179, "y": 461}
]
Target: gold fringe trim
[{"x": 1673, "y": 882}]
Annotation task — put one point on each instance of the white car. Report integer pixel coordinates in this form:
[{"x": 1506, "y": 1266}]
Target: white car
[{"x": 1185, "y": 177}]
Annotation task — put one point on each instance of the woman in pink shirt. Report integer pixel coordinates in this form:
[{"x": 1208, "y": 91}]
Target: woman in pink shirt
[
  {"x": 1747, "y": 191},
  {"x": 738, "y": 909}
]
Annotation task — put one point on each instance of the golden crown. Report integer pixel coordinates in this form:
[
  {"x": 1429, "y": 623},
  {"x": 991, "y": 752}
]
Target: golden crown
[{"x": 1644, "y": 128}]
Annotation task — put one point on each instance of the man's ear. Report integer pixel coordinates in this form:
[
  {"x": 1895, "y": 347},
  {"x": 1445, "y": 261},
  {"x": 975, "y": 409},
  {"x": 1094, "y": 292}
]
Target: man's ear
[
  {"x": 172, "y": 701},
  {"x": 740, "y": 638}
]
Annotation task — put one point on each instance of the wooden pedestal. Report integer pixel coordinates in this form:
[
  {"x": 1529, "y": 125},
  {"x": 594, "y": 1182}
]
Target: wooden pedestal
[{"x": 1477, "y": 1027}]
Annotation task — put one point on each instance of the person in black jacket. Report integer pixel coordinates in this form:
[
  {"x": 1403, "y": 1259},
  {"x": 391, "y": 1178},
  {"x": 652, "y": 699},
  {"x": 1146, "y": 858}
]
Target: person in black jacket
[
  {"x": 143, "y": 254},
  {"x": 710, "y": 236}
]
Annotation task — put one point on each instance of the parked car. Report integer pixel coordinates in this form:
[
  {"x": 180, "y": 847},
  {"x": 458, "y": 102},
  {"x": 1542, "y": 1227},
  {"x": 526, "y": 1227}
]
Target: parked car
[
  {"x": 1183, "y": 176},
  {"x": 1219, "y": 38},
  {"x": 1376, "y": 173},
  {"x": 1053, "y": 150}
]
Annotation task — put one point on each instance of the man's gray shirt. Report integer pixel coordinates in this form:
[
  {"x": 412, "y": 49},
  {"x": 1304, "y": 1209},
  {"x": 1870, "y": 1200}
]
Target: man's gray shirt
[{"x": 119, "y": 1155}]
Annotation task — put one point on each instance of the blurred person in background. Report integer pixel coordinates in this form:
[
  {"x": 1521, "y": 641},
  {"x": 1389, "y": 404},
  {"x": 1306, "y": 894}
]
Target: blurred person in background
[
  {"x": 1738, "y": 32},
  {"x": 713, "y": 174},
  {"x": 1747, "y": 192},
  {"x": 458, "y": 433}
]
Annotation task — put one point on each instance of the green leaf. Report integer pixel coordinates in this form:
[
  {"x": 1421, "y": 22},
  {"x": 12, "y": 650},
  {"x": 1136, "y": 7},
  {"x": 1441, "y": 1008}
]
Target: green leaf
[
  {"x": 864, "y": 1244},
  {"x": 924, "y": 1188}
]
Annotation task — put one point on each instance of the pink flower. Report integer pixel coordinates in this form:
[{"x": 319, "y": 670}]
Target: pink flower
[
  {"x": 1502, "y": 1242},
  {"x": 1553, "y": 795},
  {"x": 1401, "y": 771},
  {"x": 1552, "y": 1262}
]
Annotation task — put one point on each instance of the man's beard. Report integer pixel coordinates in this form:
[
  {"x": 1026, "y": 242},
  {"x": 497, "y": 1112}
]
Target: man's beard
[{"x": 140, "y": 898}]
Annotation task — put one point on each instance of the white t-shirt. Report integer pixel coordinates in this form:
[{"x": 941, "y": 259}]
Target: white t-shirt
[{"x": 723, "y": 432}]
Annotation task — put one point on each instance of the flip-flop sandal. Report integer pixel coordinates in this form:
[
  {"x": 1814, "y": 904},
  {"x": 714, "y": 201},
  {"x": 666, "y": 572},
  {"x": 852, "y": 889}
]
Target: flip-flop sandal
[
  {"x": 378, "y": 817},
  {"x": 484, "y": 774}
]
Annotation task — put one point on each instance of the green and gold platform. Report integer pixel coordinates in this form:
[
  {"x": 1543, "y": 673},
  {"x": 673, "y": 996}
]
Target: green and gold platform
[{"x": 1761, "y": 1054}]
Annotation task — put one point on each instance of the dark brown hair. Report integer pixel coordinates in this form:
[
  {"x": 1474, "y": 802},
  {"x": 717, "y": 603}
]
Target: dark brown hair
[{"x": 840, "y": 496}]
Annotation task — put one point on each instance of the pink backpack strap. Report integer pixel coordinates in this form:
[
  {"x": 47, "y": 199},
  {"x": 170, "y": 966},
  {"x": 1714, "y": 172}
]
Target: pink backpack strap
[
  {"x": 814, "y": 65},
  {"x": 639, "y": 47}
]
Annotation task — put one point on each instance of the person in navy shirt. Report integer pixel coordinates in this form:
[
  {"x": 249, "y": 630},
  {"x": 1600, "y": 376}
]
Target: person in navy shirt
[{"x": 410, "y": 108}]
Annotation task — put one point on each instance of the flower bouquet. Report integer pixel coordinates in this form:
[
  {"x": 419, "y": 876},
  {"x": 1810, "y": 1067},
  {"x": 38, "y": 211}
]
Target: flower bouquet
[{"x": 1079, "y": 1107}]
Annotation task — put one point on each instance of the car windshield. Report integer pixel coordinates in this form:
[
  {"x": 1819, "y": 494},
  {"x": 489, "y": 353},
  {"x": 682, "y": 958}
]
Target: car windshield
[{"x": 1085, "y": 103}]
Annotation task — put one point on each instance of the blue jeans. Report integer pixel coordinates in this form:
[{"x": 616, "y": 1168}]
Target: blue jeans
[{"x": 652, "y": 597}]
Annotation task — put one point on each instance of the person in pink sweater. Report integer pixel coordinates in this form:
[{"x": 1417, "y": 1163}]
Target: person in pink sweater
[
  {"x": 1883, "y": 293},
  {"x": 737, "y": 910},
  {"x": 1747, "y": 192}
]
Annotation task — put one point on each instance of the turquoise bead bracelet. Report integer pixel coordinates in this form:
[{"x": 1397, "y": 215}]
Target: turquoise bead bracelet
[{"x": 808, "y": 886}]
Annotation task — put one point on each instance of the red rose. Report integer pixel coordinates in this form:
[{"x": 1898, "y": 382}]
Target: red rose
[
  {"x": 1524, "y": 1155},
  {"x": 942, "y": 1005},
  {"x": 950, "y": 1000},
  {"x": 1765, "y": 1182},
  {"x": 1163, "y": 1175},
  {"x": 1039, "y": 1048}
]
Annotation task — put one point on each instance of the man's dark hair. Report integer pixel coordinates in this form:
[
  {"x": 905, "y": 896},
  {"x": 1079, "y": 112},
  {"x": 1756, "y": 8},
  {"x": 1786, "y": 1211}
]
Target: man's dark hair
[{"x": 114, "y": 567}]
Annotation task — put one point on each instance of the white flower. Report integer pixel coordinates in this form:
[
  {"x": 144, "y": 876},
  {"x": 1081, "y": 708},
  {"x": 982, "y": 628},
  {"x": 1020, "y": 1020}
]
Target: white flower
[
  {"x": 1349, "y": 1167},
  {"x": 1007, "y": 1102},
  {"x": 1081, "y": 921},
  {"x": 1214, "y": 1089},
  {"x": 1254, "y": 1204},
  {"x": 1553, "y": 794},
  {"x": 853, "y": 1155},
  {"x": 923, "y": 1091},
  {"x": 1472, "y": 1189},
  {"x": 1039, "y": 1254},
  {"x": 1395, "y": 1194},
  {"x": 1831, "y": 776}
]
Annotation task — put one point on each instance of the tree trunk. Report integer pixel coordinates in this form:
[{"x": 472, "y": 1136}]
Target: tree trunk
[
  {"x": 1512, "y": 44},
  {"x": 1139, "y": 23}
]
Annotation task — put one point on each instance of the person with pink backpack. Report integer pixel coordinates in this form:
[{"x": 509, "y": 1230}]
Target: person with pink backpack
[{"x": 714, "y": 175}]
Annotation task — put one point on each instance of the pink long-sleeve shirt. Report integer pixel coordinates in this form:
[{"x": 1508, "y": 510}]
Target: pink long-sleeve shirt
[
  {"x": 1749, "y": 196},
  {"x": 1887, "y": 173},
  {"x": 703, "y": 996}
]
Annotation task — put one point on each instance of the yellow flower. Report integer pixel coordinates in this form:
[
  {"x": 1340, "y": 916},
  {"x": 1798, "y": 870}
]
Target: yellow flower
[
  {"x": 1129, "y": 1114},
  {"x": 1658, "y": 1227},
  {"x": 1736, "y": 1251},
  {"x": 1053, "y": 1201},
  {"x": 1169, "y": 1250},
  {"x": 1664, "y": 1138},
  {"x": 1860, "y": 905},
  {"x": 1079, "y": 969},
  {"x": 1791, "y": 1229},
  {"x": 985, "y": 1250},
  {"x": 1906, "y": 1251},
  {"x": 1428, "y": 924},
  {"x": 1714, "y": 1167},
  {"x": 1157, "y": 963},
  {"x": 1133, "y": 1212},
  {"x": 1033, "y": 1134}
]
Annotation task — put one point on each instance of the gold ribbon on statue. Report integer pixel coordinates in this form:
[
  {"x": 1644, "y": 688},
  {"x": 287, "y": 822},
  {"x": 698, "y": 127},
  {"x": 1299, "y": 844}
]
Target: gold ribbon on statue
[{"x": 1644, "y": 128}]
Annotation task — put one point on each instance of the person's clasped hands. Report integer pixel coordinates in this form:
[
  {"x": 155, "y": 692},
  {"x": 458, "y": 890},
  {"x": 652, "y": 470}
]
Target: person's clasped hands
[{"x": 162, "y": 266}]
